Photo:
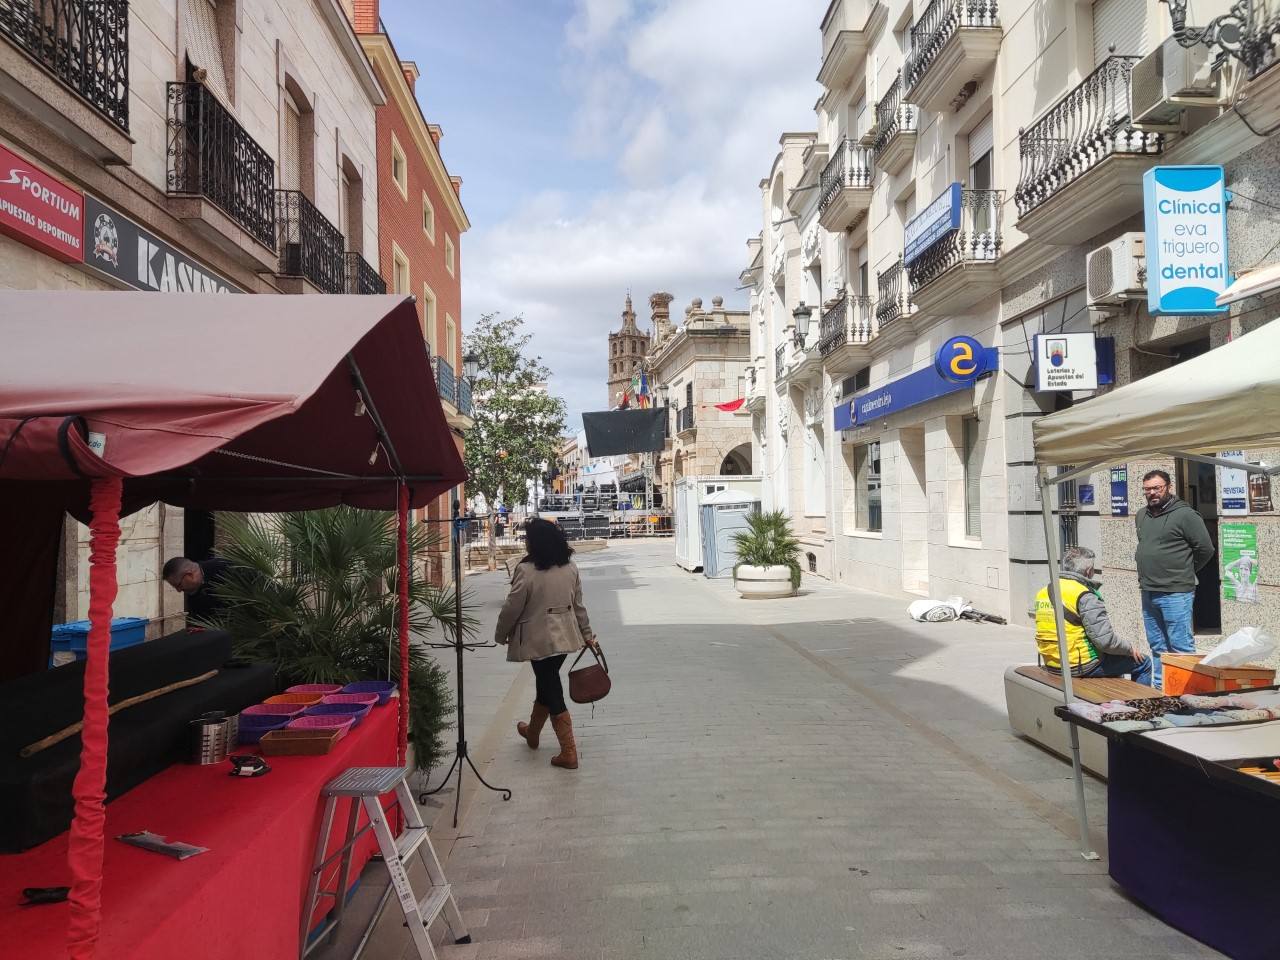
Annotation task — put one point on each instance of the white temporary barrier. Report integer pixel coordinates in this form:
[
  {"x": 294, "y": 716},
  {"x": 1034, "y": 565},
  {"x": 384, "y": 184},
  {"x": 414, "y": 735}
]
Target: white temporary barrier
[{"x": 690, "y": 493}]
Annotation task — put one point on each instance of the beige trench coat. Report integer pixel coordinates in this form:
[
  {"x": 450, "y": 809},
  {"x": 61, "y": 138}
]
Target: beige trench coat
[{"x": 544, "y": 614}]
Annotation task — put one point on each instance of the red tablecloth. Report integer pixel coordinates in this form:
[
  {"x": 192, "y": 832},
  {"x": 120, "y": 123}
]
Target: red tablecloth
[{"x": 242, "y": 899}]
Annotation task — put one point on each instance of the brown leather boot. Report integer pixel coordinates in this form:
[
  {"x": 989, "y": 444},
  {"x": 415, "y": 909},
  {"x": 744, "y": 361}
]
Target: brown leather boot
[
  {"x": 531, "y": 729},
  {"x": 562, "y": 724}
]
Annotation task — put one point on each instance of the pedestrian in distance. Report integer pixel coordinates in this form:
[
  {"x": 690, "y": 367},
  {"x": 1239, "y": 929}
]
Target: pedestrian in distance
[
  {"x": 1093, "y": 648},
  {"x": 1173, "y": 544},
  {"x": 542, "y": 622}
]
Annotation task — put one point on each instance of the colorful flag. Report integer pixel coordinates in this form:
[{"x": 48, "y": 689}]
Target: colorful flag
[{"x": 731, "y": 406}]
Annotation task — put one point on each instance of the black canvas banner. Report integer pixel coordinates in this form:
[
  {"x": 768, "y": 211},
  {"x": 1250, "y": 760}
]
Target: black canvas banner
[{"x": 616, "y": 432}]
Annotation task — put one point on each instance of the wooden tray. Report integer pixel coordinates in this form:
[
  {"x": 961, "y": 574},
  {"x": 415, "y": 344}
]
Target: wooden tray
[
  {"x": 1183, "y": 673},
  {"x": 299, "y": 743}
]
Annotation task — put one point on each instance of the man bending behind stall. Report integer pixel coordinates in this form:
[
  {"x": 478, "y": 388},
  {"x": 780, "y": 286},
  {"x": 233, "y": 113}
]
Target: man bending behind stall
[
  {"x": 197, "y": 581},
  {"x": 1093, "y": 649}
]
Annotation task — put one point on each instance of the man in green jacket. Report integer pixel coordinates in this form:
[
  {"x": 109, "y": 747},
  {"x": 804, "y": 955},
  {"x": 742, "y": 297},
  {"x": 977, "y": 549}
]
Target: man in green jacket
[{"x": 1173, "y": 544}]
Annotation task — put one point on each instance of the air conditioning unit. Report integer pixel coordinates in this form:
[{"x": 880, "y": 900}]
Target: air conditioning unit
[
  {"x": 1170, "y": 79},
  {"x": 1116, "y": 272}
]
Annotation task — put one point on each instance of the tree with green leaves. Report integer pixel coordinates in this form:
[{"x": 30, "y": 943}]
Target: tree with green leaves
[{"x": 518, "y": 425}]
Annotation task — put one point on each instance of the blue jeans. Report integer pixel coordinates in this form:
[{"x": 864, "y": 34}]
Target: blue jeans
[
  {"x": 1117, "y": 665},
  {"x": 1168, "y": 620}
]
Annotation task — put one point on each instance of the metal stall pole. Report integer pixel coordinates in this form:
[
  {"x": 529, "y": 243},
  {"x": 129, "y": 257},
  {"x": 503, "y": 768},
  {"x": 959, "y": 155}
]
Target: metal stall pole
[{"x": 1051, "y": 547}]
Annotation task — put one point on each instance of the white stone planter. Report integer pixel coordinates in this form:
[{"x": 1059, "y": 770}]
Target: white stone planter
[{"x": 763, "y": 583}]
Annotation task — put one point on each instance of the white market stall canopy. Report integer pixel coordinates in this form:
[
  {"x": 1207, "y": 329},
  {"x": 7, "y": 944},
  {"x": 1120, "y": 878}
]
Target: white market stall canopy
[{"x": 1226, "y": 399}]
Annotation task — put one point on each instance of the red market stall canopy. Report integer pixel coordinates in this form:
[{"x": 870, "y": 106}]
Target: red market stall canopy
[{"x": 112, "y": 401}]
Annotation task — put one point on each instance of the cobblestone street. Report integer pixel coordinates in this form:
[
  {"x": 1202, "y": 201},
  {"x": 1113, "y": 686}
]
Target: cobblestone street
[{"x": 810, "y": 778}]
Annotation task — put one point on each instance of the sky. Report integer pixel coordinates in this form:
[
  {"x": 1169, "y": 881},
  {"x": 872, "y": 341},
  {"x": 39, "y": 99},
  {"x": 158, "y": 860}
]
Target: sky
[{"x": 607, "y": 146}]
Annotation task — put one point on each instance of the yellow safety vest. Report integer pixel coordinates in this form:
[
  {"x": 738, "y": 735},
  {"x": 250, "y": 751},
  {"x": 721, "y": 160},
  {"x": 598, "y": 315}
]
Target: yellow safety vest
[{"x": 1079, "y": 650}]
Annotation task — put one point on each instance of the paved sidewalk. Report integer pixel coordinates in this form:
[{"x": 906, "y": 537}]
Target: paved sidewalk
[{"x": 810, "y": 778}]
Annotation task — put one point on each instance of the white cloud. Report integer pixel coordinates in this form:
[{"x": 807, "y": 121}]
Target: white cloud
[{"x": 685, "y": 100}]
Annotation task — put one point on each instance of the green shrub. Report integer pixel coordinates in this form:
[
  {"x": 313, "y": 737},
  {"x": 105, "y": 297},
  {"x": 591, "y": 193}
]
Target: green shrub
[
  {"x": 769, "y": 542},
  {"x": 314, "y": 593}
]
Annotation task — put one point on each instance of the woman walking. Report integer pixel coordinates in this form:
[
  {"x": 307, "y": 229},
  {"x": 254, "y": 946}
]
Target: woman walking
[{"x": 542, "y": 622}]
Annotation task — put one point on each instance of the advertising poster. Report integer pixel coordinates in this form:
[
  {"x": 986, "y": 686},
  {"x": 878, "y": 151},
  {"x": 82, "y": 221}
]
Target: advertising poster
[
  {"x": 39, "y": 210},
  {"x": 1233, "y": 487},
  {"x": 1260, "y": 493},
  {"x": 1085, "y": 493},
  {"x": 1240, "y": 562},
  {"x": 1119, "y": 491}
]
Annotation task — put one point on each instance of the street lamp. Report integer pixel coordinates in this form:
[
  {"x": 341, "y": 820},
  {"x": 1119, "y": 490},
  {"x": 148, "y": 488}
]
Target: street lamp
[
  {"x": 470, "y": 367},
  {"x": 802, "y": 314}
]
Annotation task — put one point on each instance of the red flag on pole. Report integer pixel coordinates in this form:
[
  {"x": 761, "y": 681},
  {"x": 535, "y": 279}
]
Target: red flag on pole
[{"x": 731, "y": 406}]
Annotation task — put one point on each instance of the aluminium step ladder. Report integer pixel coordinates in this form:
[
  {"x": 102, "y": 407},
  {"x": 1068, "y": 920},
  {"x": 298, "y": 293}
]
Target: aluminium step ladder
[{"x": 365, "y": 785}]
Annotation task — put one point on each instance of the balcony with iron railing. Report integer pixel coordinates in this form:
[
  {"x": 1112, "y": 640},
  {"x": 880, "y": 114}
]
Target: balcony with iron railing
[
  {"x": 84, "y": 45},
  {"x": 893, "y": 303},
  {"x": 212, "y": 157},
  {"x": 464, "y": 403},
  {"x": 361, "y": 275},
  {"x": 685, "y": 419},
  {"x": 846, "y": 35},
  {"x": 446, "y": 382},
  {"x": 845, "y": 331},
  {"x": 1083, "y": 160},
  {"x": 844, "y": 189},
  {"x": 952, "y": 42},
  {"x": 310, "y": 247},
  {"x": 961, "y": 267},
  {"x": 779, "y": 362},
  {"x": 895, "y": 140}
]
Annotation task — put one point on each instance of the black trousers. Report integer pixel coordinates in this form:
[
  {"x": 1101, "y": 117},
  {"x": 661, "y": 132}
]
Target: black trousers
[{"x": 550, "y": 692}]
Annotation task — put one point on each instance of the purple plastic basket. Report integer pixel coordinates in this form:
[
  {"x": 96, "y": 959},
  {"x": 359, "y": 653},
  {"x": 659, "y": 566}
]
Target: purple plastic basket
[
  {"x": 273, "y": 710},
  {"x": 321, "y": 688},
  {"x": 262, "y": 723},
  {"x": 353, "y": 699},
  {"x": 383, "y": 688},
  {"x": 356, "y": 711},
  {"x": 340, "y": 722}
]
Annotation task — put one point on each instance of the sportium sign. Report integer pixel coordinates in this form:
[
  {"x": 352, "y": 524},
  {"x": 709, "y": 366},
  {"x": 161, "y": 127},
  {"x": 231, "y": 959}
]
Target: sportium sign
[
  {"x": 1186, "y": 214},
  {"x": 40, "y": 211}
]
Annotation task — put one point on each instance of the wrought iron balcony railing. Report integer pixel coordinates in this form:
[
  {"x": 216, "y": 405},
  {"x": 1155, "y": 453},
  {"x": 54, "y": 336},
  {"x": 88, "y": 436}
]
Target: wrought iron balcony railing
[
  {"x": 464, "y": 397},
  {"x": 893, "y": 116},
  {"x": 978, "y": 240},
  {"x": 938, "y": 24},
  {"x": 212, "y": 156},
  {"x": 848, "y": 321},
  {"x": 684, "y": 419},
  {"x": 779, "y": 361},
  {"x": 849, "y": 166},
  {"x": 84, "y": 43},
  {"x": 446, "y": 383},
  {"x": 361, "y": 277},
  {"x": 1088, "y": 125},
  {"x": 309, "y": 245},
  {"x": 894, "y": 301},
  {"x": 1247, "y": 31}
]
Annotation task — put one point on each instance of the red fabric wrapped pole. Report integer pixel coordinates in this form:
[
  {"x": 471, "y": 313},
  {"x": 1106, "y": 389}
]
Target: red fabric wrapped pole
[
  {"x": 402, "y": 518},
  {"x": 85, "y": 842}
]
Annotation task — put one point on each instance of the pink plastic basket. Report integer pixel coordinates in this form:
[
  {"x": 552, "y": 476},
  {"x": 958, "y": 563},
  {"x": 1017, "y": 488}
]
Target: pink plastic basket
[
  {"x": 273, "y": 709},
  {"x": 383, "y": 688},
  {"x": 321, "y": 688},
  {"x": 357, "y": 699},
  {"x": 340, "y": 722}
]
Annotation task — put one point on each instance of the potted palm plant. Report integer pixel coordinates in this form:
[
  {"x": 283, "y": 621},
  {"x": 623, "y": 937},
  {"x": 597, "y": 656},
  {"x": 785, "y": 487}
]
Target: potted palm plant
[
  {"x": 314, "y": 593},
  {"x": 767, "y": 557}
]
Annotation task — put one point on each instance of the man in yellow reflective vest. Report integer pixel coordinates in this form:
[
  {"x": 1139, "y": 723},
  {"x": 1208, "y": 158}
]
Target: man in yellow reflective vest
[{"x": 1093, "y": 649}]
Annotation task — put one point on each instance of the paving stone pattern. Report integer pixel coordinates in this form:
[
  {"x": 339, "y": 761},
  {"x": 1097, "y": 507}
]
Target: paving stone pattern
[{"x": 817, "y": 778}]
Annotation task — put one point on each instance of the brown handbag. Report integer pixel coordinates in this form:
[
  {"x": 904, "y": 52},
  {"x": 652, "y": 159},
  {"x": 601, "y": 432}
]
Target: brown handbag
[{"x": 590, "y": 683}]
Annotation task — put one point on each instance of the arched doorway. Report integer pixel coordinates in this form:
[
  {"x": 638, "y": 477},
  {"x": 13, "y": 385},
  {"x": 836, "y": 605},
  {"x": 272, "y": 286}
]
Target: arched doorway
[{"x": 737, "y": 462}]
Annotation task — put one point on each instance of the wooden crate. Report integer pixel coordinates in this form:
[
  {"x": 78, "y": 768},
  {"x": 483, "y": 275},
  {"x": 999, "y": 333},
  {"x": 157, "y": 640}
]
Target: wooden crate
[{"x": 1183, "y": 673}]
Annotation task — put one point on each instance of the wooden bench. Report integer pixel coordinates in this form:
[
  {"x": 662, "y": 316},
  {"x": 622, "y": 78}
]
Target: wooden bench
[{"x": 1031, "y": 693}]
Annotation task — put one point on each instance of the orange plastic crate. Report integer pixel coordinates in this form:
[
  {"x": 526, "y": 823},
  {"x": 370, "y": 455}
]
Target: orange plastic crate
[
  {"x": 1184, "y": 674},
  {"x": 306, "y": 699}
]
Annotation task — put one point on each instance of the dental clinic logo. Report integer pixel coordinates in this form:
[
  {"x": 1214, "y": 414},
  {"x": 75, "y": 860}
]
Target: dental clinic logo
[{"x": 1186, "y": 214}]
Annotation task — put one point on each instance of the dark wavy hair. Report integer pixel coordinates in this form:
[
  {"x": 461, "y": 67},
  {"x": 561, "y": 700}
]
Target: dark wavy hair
[{"x": 546, "y": 544}]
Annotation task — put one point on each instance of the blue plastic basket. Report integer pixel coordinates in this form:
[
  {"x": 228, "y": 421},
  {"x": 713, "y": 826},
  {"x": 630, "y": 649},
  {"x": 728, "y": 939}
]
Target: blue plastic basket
[
  {"x": 74, "y": 637},
  {"x": 355, "y": 711},
  {"x": 383, "y": 688},
  {"x": 259, "y": 724}
]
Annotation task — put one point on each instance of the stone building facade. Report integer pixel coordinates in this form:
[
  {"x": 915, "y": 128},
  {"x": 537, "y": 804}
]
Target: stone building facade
[
  {"x": 199, "y": 143},
  {"x": 950, "y": 189},
  {"x": 421, "y": 222},
  {"x": 692, "y": 368}
]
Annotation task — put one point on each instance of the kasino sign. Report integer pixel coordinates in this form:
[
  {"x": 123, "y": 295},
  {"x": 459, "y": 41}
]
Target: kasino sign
[{"x": 40, "y": 211}]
